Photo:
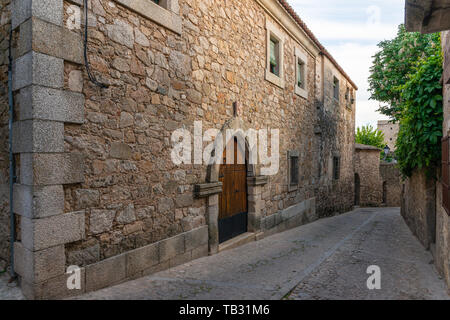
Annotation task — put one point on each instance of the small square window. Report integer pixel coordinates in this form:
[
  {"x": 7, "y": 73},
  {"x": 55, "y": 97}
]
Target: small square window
[
  {"x": 336, "y": 168},
  {"x": 336, "y": 88},
  {"x": 301, "y": 74},
  {"x": 274, "y": 56}
]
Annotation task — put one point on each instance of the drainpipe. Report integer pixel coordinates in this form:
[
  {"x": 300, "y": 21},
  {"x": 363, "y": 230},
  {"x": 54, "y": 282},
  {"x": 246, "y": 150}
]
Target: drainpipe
[{"x": 12, "y": 173}]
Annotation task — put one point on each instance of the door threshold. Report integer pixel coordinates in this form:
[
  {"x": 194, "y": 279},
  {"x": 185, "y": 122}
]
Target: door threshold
[{"x": 237, "y": 241}]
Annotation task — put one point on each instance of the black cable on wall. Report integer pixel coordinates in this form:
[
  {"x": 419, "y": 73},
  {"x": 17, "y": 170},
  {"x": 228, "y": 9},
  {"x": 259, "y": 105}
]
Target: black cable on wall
[{"x": 86, "y": 60}]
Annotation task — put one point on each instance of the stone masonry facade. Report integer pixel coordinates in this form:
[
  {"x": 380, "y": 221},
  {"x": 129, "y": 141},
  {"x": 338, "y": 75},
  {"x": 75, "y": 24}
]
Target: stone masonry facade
[
  {"x": 96, "y": 186},
  {"x": 367, "y": 171}
]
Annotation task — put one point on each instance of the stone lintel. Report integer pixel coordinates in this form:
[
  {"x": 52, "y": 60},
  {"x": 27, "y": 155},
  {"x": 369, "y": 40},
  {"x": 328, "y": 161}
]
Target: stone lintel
[{"x": 207, "y": 189}]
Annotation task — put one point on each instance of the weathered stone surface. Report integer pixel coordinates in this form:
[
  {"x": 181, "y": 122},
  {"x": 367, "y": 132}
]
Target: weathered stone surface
[
  {"x": 126, "y": 215},
  {"x": 38, "y": 136},
  {"x": 41, "y": 265},
  {"x": 367, "y": 168},
  {"x": 120, "y": 151},
  {"x": 87, "y": 198},
  {"x": 38, "y": 201},
  {"x": 76, "y": 81},
  {"x": 40, "y": 69},
  {"x": 48, "y": 10},
  {"x": 171, "y": 247},
  {"x": 106, "y": 273},
  {"x": 51, "y": 168},
  {"x": 196, "y": 238},
  {"x": 141, "y": 259},
  {"x": 165, "y": 205},
  {"x": 38, "y": 234},
  {"x": 101, "y": 220},
  {"x": 121, "y": 32},
  {"x": 37, "y": 102}
]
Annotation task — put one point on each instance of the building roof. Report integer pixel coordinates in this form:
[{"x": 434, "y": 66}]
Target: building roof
[
  {"x": 324, "y": 51},
  {"x": 359, "y": 146}
]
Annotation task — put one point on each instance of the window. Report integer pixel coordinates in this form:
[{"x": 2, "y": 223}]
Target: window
[
  {"x": 164, "y": 12},
  {"x": 293, "y": 170},
  {"x": 336, "y": 168},
  {"x": 445, "y": 174},
  {"x": 336, "y": 88},
  {"x": 274, "y": 56},
  {"x": 301, "y": 73},
  {"x": 274, "y": 68}
]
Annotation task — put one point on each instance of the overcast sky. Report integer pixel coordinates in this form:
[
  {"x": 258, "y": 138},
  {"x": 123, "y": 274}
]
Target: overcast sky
[{"x": 350, "y": 30}]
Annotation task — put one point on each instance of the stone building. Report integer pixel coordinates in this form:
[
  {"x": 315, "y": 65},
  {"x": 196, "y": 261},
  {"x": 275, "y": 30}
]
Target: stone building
[
  {"x": 390, "y": 131},
  {"x": 96, "y": 186},
  {"x": 392, "y": 184},
  {"x": 368, "y": 183},
  {"x": 426, "y": 201}
]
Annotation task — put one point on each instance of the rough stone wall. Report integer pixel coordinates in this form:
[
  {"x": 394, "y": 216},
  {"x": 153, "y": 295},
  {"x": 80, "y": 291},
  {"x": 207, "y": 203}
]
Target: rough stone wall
[
  {"x": 367, "y": 166},
  {"x": 442, "y": 252},
  {"x": 390, "y": 131},
  {"x": 5, "y": 24},
  {"x": 159, "y": 82},
  {"x": 391, "y": 176},
  {"x": 335, "y": 136},
  {"x": 419, "y": 206}
]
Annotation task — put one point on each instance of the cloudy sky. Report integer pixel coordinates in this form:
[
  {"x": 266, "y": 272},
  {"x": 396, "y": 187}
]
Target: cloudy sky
[{"x": 350, "y": 30}]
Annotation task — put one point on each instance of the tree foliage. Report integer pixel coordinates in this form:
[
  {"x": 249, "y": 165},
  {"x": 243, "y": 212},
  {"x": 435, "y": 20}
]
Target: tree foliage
[
  {"x": 394, "y": 64},
  {"x": 369, "y": 136},
  {"x": 405, "y": 78},
  {"x": 419, "y": 140}
]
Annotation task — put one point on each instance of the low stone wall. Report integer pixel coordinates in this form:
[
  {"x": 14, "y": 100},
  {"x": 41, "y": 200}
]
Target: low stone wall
[
  {"x": 127, "y": 266},
  {"x": 419, "y": 206},
  {"x": 294, "y": 216},
  {"x": 393, "y": 184}
]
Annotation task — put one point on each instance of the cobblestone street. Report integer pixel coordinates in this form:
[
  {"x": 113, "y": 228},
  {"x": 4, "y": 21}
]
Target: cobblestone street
[{"x": 327, "y": 259}]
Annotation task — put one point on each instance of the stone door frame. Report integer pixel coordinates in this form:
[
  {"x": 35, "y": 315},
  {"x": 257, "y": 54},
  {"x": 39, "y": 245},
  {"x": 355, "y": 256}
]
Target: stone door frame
[{"x": 212, "y": 188}]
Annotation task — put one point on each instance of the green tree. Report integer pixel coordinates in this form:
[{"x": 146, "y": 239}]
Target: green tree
[
  {"x": 369, "y": 136},
  {"x": 394, "y": 64},
  {"x": 419, "y": 139}
]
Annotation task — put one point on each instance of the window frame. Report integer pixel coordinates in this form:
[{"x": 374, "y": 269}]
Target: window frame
[
  {"x": 336, "y": 168},
  {"x": 166, "y": 13},
  {"x": 293, "y": 185},
  {"x": 336, "y": 83},
  {"x": 273, "y": 32},
  {"x": 301, "y": 57}
]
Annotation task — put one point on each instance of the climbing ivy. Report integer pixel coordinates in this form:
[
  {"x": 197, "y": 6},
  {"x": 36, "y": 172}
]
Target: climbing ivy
[{"x": 419, "y": 140}]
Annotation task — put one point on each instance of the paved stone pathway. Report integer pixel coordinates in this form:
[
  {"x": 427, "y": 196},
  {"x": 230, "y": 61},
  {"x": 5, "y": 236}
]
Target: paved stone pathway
[{"x": 326, "y": 259}]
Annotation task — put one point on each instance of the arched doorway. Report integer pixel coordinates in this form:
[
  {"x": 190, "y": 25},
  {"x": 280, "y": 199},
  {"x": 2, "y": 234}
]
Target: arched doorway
[
  {"x": 233, "y": 206},
  {"x": 357, "y": 190}
]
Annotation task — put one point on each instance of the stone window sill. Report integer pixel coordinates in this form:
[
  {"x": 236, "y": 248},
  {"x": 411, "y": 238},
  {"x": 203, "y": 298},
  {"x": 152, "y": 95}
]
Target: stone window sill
[
  {"x": 301, "y": 92},
  {"x": 274, "y": 79},
  {"x": 147, "y": 8}
]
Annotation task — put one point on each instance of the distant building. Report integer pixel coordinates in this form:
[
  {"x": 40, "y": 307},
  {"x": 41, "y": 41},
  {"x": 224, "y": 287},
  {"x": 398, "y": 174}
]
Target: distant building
[{"x": 390, "y": 131}]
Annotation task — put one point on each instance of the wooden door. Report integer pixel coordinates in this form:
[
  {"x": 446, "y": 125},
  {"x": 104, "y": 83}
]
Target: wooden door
[{"x": 233, "y": 200}]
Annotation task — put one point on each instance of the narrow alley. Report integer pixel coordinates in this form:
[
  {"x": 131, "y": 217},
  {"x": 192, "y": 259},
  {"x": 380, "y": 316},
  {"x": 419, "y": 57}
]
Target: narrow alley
[{"x": 327, "y": 259}]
